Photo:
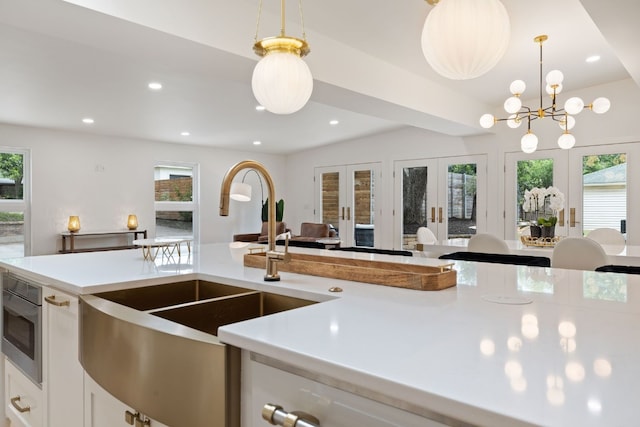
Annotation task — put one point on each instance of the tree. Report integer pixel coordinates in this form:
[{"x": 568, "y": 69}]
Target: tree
[{"x": 11, "y": 166}]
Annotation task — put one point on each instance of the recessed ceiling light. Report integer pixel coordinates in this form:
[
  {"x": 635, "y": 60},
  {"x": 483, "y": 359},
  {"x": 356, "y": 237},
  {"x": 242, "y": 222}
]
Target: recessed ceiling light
[
  {"x": 185, "y": 133},
  {"x": 260, "y": 108},
  {"x": 257, "y": 142},
  {"x": 88, "y": 120},
  {"x": 333, "y": 122},
  {"x": 155, "y": 86},
  {"x": 593, "y": 58}
]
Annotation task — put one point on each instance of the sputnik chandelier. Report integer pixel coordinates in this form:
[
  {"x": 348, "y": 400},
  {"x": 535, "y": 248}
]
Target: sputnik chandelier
[
  {"x": 563, "y": 116},
  {"x": 282, "y": 81}
]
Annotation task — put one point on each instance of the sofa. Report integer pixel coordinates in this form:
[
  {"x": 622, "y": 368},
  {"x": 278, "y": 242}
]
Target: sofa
[
  {"x": 262, "y": 236},
  {"x": 311, "y": 231}
]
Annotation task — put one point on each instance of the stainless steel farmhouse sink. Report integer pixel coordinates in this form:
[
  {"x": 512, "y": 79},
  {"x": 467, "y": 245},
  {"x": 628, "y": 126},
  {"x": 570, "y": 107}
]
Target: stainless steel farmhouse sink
[{"x": 155, "y": 348}]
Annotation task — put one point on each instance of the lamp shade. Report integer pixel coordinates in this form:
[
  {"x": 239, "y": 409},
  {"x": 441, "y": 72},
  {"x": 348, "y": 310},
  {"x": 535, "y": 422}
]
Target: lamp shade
[
  {"x": 74, "y": 223},
  {"x": 282, "y": 82},
  {"x": 132, "y": 222},
  {"x": 463, "y": 39},
  {"x": 240, "y": 192}
]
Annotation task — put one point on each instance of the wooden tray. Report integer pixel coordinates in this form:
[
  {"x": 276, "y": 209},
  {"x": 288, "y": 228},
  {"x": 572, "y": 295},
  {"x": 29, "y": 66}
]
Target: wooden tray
[
  {"x": 540, "y": 242},
  {"x": 410, "y": 276}
]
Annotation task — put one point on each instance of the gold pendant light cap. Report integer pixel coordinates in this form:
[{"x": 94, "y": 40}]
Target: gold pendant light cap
[
  {"x": 282, "y": 44},
  {"x": 433, "y": 2},
  {"x": 541, "y": 38}
]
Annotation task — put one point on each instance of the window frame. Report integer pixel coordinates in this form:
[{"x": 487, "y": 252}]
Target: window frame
[{"x": 173, "y": 206}]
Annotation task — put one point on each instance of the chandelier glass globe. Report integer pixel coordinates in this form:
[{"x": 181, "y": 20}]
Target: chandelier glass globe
[
  {"x": 529, "y": 143},
  {"x": 566, "y": 141}
]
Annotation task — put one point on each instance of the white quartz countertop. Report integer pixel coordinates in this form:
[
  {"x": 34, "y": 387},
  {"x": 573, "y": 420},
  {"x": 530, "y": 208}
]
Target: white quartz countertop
[{"x": 508, "y": 346}]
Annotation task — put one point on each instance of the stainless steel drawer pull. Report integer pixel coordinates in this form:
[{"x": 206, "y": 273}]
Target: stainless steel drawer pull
[
  {"x": 58, "y": 303},
  {"x": 275, "y": 415},
  {"x": 21, "y": 409}
]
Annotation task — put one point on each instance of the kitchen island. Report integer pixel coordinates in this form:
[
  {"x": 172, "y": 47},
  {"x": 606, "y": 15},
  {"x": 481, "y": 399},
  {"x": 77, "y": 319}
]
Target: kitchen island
[{"x": 507, "y": 346}]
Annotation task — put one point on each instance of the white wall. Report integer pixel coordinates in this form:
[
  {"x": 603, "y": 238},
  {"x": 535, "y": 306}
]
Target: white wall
[
  {"x": 103, "y": 179},
  {"x": 616, "y": 126},
  {"x": 66, "y": 179}
]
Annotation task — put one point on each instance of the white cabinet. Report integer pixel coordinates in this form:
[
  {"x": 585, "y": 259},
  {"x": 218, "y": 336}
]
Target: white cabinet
[
  {"x": 63, "y": 375},
  {"x": 104, "y": 410},
  {"x": 332, "y": 407},
  {"x": 23, "y": 404}
]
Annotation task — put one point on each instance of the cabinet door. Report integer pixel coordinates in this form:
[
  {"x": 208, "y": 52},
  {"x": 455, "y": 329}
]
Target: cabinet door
[
  {"x": 101, "y": 409},
  {"x": 63, "y": 378},
  {"x": 23, "y": 403},
  {"x": 331, "y": 406}
]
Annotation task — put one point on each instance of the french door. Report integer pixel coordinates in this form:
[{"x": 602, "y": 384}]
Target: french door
[
  {"x": 346, "y": 198},
  {"x": 446, "y": 195},
  {"x": 599, "y": 184}
]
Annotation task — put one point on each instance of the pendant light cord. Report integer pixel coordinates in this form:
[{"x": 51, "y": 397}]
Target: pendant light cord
[{"x": 282, "y": 20}]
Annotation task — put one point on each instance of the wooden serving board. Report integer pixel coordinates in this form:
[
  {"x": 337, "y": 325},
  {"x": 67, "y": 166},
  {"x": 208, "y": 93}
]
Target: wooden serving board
[{"x": 410, "y": 276}]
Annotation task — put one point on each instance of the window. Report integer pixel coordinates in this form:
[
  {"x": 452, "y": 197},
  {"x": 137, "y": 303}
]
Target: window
[
  {"x": 14, "y": 202},
  {"x": 176, "y": 199}
]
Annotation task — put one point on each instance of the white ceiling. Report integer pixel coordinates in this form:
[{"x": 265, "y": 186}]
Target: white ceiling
[{"x": 60, "y": 62}]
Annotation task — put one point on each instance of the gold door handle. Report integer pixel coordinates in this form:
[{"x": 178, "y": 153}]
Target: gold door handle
[
  {"x": 440, "y": 215},
  {"x": 275, "y": 415},
  {"x": 342, "y": 213},
  {"x": 21, "y": 409},
  {"x": 433, "y": 214},
  {"x": 561, "y": 218},
  {"x": 52, "y": 300},
  {"x": 348, "y": 214},
  {"x": 572, "y": 217}
]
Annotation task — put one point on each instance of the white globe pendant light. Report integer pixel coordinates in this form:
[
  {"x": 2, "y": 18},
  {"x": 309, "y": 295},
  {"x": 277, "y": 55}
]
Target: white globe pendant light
[
  {"x": 463, "y": 39},
  {"x": 282, "y": 81}
]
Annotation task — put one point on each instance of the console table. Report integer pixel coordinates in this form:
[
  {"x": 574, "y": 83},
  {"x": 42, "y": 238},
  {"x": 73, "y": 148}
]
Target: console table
[{"x": 71, "y": 236}]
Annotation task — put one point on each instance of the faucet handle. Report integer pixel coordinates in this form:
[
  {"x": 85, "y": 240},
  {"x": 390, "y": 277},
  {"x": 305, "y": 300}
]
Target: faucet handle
[{"x": 287, "y": 255}]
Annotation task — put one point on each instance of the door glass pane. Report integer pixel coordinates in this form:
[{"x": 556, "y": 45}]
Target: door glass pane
[
  {"x": 531, "y": 174},
  {"x": 363, "y": 207},
  {"x": 604, "y": 192},
  {"x": 331, "y": 199},
  {"x": 461, "y": 200},
  {"x": 414, "y": 204}
]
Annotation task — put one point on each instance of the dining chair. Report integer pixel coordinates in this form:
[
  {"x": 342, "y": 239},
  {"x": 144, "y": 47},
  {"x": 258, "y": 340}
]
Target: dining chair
[
  {"x": 607, "y": 236},
  {"x": 578, "y": 253},
  {"x": 425, "y": 236},
  {"x": 487, "y": 243}
]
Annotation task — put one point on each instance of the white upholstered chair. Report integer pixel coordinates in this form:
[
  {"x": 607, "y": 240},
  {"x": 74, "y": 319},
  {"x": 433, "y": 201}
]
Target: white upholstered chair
[
  {"x": 608, "y": 237},
  {"x": 487, "y": 243},
  {"x": 425, "y": 236},
  {"x": 578, "y": 253}
]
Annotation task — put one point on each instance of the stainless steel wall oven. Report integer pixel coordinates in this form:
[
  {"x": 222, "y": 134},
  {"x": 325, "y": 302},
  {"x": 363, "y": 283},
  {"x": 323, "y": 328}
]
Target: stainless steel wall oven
[{"x": 22, "y": 325}]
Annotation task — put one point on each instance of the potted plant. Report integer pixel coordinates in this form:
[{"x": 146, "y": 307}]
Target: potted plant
[
  {"x": 544, "y": 204},
  {"x": 279, "y": 210}
]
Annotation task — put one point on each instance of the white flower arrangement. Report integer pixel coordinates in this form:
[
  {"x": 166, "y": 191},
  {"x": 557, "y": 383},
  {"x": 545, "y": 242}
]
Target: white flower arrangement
[{"x": 535, "y": 200}]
